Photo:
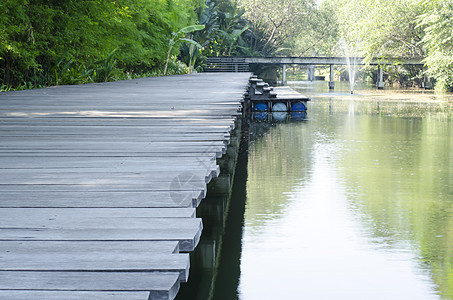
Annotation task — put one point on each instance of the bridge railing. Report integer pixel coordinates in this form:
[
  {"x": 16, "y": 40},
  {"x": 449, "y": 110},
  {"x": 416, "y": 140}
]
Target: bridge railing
[
  {"x": 227, "y": 64},
  {"x": 230, "y": 63}
]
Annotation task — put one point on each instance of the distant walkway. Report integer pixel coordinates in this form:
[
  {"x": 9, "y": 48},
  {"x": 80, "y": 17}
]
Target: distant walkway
[
  {"x": 242, "y": 64},
  {"x": 231, "y": 63},
  {"x": 99, "y": 183}
]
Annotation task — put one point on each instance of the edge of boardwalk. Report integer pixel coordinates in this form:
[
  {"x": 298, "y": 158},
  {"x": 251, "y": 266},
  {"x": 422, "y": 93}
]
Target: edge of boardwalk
[{"x": 100, "y": 183}]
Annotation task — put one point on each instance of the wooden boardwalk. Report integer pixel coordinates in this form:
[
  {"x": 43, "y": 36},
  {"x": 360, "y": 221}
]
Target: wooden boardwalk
[{"x": 99, "y": 183}]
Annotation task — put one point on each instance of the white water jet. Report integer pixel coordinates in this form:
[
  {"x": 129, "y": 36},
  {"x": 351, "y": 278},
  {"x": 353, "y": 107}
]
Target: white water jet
[{"x": 351, "y": 53}]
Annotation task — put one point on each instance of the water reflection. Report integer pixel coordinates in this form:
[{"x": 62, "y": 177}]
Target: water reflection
[
  {"x": 278, "y": 116},
  {"x": 356, "y": 203},
  {"x": 218, "y": 252}
]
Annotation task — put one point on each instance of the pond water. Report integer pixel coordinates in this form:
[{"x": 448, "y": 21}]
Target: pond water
[{"x": 355, "y": 202}]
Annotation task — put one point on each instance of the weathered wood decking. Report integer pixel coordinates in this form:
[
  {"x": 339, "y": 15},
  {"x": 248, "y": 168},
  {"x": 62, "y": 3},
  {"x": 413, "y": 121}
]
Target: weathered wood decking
[{"x": 99, "y": 184}]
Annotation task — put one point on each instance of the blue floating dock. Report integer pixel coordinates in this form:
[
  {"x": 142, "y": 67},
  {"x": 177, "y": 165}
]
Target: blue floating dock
[
  {"x": 279, "y": 107},
  {"x": 260, "y": 106},
  {"x": 298, "y": 106},
  {"x": 263, "y": 98}
]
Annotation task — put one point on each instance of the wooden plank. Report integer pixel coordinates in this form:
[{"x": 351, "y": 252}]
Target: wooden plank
[
  {"x": 162, "y": 285},
  {"x": 186, "y": 231},
  {"x": 132, "y": 163},
  {"x": 176, "y": 187},
  {"x": 74, "y": 220},
  {"x": 147, "y": 171},
  {"x": 195, "y": 187},
  {"x": 165, "y": 100},
  {"x": 108, "y": 129},
  {"x": 287, "y": 93},
  {"x": 76, "y": 256},
  {"x": 227, "y": 109},
  {"x": 112, "y": 147},
  {"x": 42, "y": 215},
  {"x": 152, "y": 180},
  {"x": 157, "y": 178},
  {"x": 76, "y": 295},
  {"x": 177, "y": 123},
  {"x": 158, "y": 97},
  {"x": 161, "y": 115},
  {"x": 31, "y": 113},
  {"x": 188, "y": 236},
  {"x": 81, "y": 199},
  {"x": 112, "y": 138},
  {"x": 113, "y": 153},
  {"x": 92, "y": 145},
  {"x": 102, "y": 176},
  {"x": 27, "y": 247},
  {"x": 101, "y": 260}
]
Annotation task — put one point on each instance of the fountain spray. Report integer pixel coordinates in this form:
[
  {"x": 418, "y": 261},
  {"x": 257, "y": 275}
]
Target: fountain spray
[{"x": 351, "y": 57}]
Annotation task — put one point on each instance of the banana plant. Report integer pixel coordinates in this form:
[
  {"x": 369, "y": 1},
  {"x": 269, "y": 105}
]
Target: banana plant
[
  {"x": 232, "y": 38},
  {"x": 180, "y": 36}
]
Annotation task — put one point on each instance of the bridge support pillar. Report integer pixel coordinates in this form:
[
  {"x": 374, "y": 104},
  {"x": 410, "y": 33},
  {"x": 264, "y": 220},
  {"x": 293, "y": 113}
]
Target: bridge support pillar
[
  {"x": 311, "y": 72},
  {"x": 380, "y": 80},
  {"x": 427, "y": 83},
  {"x": 284, "y": 75},
  {"x": 331, "y": 82}
]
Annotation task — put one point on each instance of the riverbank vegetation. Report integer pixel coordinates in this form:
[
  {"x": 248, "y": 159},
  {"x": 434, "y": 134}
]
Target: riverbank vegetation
[
  {"x": 69, "y": 42},
  {"x": 402, "y": 28},
  {"x": 46, "y": 43}
]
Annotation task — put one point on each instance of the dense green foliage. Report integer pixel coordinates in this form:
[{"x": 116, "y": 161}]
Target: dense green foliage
[
  {"x": 374, "y": 28},
  {"x": 224, "y": 34},
  {"x": 290, "y": 27},
  {"x": 180, "y": 36},
  {"x": 47, "y": 42},
  {"x": 58, "y": 42},
  {"x": 383, "y": 27},
  {"x": 437, "y": 24},
  {"x": 401, "y": 28},
  {"x": 274, "y": 22}
]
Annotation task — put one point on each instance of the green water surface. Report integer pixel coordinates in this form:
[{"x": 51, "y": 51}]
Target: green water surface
[{"x": 355, "y": 202}]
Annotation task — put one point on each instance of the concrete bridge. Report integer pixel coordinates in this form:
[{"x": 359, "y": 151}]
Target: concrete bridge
[{"x": 238, "y": 64}]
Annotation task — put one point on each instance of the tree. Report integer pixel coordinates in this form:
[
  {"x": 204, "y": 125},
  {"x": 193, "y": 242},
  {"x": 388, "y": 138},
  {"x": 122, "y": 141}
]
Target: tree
[
  {"x": 384, "y": 28},
  {"x": 275, "y": 23},
  {"x": 320, "y": 35},
  {"x": 178, "y": 37},
  {"x": 41, "y": 42},
  {"x": 224, "y": 27},
  {"x": 436, "y": 22}
]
